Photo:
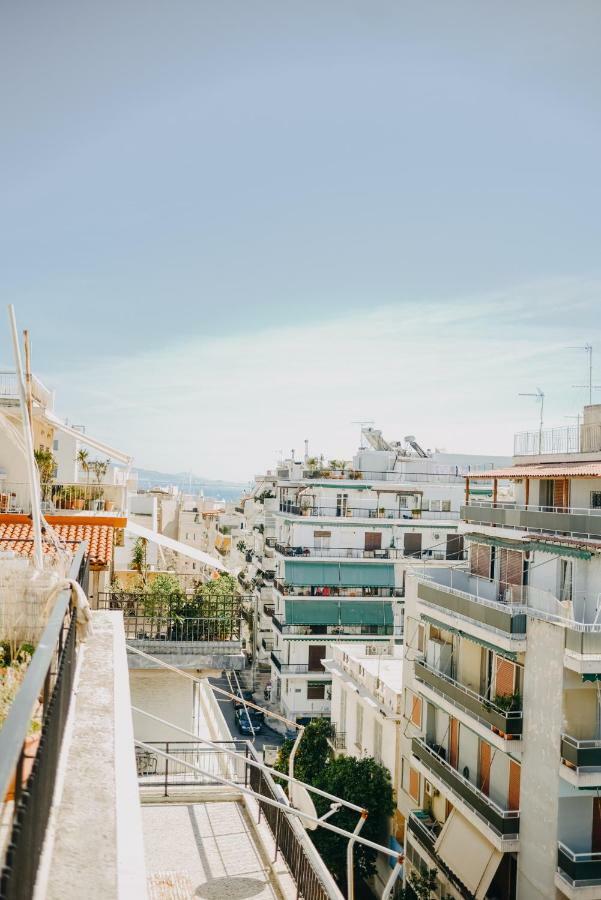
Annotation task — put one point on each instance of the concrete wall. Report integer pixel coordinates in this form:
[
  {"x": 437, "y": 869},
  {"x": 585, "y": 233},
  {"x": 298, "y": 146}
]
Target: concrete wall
[
  {"x": 167, "y": 695},
  {"x": 539, "y": 798}
]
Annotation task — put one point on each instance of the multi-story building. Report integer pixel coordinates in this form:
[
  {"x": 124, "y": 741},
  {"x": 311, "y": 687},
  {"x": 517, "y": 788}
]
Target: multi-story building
[
  {"x": 501, "y": 736},
  {"x": 345, "y": 534}
]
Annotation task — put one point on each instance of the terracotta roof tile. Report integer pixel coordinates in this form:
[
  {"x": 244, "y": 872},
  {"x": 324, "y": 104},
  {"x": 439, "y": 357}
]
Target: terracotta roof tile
[
  {"x": 548, "y": 470},
  {"x": 19, "y": 537}
]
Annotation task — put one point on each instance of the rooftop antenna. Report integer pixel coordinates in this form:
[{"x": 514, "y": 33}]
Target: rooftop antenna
[
  {"x": 588, "y": 349},
  {"x": 362, "y": 423},
  {"x": 540, "y": 399}
]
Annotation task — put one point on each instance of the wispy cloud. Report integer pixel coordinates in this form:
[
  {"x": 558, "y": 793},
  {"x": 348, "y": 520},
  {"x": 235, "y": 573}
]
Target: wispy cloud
[{"x": 449, "y": 373}]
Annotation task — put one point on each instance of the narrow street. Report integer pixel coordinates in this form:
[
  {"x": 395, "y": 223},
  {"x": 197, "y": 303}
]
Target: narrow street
[{"x": 268, "y": 735}]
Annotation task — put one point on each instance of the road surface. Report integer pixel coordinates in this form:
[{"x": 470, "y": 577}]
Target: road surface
[{"x": 267, "y": 736}]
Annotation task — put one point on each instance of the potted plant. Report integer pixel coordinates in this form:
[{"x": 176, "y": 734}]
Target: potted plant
[{"x": 46, "y": 467}]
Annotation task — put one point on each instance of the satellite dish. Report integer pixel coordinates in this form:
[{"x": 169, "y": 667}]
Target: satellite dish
[{"x": 300, "y": 798}]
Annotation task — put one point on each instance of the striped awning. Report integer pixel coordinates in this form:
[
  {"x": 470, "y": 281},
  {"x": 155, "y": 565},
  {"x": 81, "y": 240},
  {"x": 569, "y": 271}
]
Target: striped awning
[
  {"x": 559, "y": 549},
  {"x": 508, "y": 654},
  {"x": 549, "y": 470}
]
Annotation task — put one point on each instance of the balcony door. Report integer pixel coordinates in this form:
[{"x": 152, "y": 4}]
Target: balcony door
[
  {"x": 317, "y": 653},
  {"x": 341, "y": 504},
  {"x": 373, "y": 540},
  {"x": 412, "y": 544}
]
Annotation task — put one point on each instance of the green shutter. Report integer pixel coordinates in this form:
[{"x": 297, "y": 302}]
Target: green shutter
[
  {"x": 366, "y": 612},
  {"x": 312, "y": 612},
  {"x": 311, "y": 574}
]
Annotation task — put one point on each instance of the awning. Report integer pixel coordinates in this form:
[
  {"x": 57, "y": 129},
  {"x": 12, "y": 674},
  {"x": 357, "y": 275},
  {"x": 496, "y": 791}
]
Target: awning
[
  {"x": 591, "y": 676},
  {"x": 558, "y": 549},
  {"x": 468, "y": 854},
  {"x": 508, "y": 654},
  {"x": 549, "y": 470},
  {"x": 314, "y": 574},
  {"x": 339, "y": 612}
]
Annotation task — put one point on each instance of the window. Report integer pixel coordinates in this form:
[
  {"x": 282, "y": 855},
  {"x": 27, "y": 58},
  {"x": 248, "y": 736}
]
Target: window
[
  {"x": 377, "y": 741},
  {"x": 315, "y": 690},
  {"x": 403, "y": 502},
  {"x": 595, "y": 499},
  {"x": 445, "y": 505},
  {"x": 359, "y": 727},
  {"x": 342, "y": 722},
  {"x": 55, "y": 445}
]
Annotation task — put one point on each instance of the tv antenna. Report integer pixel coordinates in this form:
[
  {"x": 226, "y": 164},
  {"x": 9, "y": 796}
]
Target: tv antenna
[
  {"x": 362, "y": 423},
  {"x": 540, "y": 397},
  {"x": 588, "y": 349}
]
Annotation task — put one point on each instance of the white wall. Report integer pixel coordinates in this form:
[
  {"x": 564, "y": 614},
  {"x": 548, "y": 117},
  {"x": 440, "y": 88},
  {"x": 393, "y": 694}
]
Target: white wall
[{"x": 167, "y": 695}]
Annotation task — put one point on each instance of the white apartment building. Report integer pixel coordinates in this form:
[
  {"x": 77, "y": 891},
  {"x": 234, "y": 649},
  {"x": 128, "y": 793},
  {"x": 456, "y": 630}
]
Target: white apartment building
[
  {"x": 501, "y": 735},
  {"x": 366, "y": 713},
  {"x": 345, "y": 534}
]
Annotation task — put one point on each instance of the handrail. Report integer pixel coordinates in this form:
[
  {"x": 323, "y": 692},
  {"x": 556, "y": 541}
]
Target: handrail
[
  {"x": 16, "y": 724},
  {"x": 582, "y": 744},
  {"x": 580, "y": 855},
  {"x": 509, "y": 714},
  {"x": 534, "y": 507}
]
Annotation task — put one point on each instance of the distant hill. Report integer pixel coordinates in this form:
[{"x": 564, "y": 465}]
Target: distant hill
[{"x": 190, "y": 483}]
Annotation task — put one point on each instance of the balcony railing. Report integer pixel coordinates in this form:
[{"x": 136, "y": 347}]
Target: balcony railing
[
  {"x": 582, "y": 755},
  {"x": 454, "y": 475},
  {"x": 426, "y": 830},
  {"x": 9, "y": 390},
  {"x": 356, "y": 512},
  {"x": 360, "y": 553},
  {"x": 504, "y": 822},
  {"x": 335, "y": 590},
  {"x": 48, "y": 682},
  {"x": 145, "y": 619},
  {"x": 58, "y": 499},
  {"x": 334, "y": 630},
  {"x": 584, "y": 522},
  {"x": 295, "y": 668},
  {"x": 459, "y": 593},
  {"x": 567, "y": 439},
  {"x": 337, "y": 738},
  {"x": 578, "y": 869},
  {"x": 509, "y": 722}
]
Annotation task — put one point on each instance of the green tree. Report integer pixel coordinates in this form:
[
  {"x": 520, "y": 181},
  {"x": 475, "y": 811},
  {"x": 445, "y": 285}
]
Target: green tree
[
  {"x": 367, "y": 784},
  {"x": 314, "y": 752},
  {"x": 46, "y": 466},
  {"x": 164, "y": 595},
  {"x": 138, "y": 559},
  {"x": 420, "y": 887},
  {"x": 83, "y": 461}
]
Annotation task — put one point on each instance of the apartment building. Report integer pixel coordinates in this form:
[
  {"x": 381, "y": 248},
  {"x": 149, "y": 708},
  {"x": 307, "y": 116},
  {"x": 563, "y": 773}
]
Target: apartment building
[
  {"x": 501, "y": 732},
  {"x": 345, "y": 534}
]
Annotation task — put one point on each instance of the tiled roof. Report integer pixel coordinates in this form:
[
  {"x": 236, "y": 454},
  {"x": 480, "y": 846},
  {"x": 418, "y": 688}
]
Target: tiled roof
[
  {"x": 548, "y": 470},
  {"x": 19, "y": 537}
]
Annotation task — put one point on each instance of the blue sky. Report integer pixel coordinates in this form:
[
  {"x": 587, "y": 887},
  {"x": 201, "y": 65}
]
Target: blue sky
[{"x": 231, "y": 226}]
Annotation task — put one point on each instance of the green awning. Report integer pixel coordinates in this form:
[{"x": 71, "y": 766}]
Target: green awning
[
  {"x": 339, "y": 612},
  {"x": 542, "y": 546},
  {"x": 306, "y": 573},
  {"x": 508, "y": 654},
  {"x": 591, "y": 676}
]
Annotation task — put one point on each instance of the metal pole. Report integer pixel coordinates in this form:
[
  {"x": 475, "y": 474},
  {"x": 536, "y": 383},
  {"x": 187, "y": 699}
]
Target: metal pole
[
  {"x": 34, "y": 484},
  {"x": 350, "y": 880},
  {"x": 393, "y": 877}
]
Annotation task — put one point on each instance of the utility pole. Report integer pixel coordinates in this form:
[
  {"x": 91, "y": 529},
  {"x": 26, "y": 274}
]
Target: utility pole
[
  {"x": 588, "y": 349},
  {"x": 540, "y": 399}
]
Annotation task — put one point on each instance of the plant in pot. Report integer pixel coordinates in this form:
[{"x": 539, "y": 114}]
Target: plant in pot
[
  {"x": 100, "y": 467},
  {"x": 78, "y": 495}
]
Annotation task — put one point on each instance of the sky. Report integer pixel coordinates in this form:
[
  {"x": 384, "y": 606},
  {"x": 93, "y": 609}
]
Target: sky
[{"x": 232, "y": 226}]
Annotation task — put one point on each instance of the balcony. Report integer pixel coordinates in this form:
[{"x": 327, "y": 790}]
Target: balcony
[
  {"x": 457, "y": 592},
  {"x": 454, "y": 475},
  {"x": 296, "y": 668},
  {"x": 426, "y": 830},
  {"x": 506, "y": 722},
  {"x": 337, "y": 738},
  {"x": 558, "y": 441},
  {"x": 582, "y": 756},
  {"x": 578, "y": 869},
  {"x": 576, "y": 521},
  {"x": 335, "y": 590},
  {"x": 361, "y": 553},
  {"x": 64, "y": 499},
  {"x": 356, "y": 512},
  {"x": 334, "y": 631},
  {"x": 504, "y": 823},
  {"x": 9, "y": 391}
]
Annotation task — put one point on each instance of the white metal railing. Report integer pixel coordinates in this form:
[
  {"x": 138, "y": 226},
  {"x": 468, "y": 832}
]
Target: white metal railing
[
  {"x": 531, "y": 507},
  {"x": 473, "y": 695},
  {"x": 567, "y": 439},
  {"x": 580, "y": 856},
  {"x": 9, "y": 389},
  {"x": 59, "y": 498}
]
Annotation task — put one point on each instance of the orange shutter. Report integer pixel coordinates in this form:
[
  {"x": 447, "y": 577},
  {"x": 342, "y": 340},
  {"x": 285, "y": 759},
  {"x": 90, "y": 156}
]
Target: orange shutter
[
  {"x": 414, "y": 784},
  {"x": 512, "y": 567},
  {"x": 484, "y": 775},
  {"x": 513, "y": 795},
  {"x": 416, "y": 711},
  {"x": 480, "y": 560},
  {"x": 454, "y": 743},
  {"x": 504, "y": 677}
]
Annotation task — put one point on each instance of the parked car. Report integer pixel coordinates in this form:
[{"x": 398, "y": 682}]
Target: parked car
[
  {"x": 247, "y": 695},
  {"x": 243, "y": 725}
]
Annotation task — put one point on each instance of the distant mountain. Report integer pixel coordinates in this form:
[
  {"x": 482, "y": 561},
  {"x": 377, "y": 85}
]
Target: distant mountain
[{"x": 188, "y": 482}]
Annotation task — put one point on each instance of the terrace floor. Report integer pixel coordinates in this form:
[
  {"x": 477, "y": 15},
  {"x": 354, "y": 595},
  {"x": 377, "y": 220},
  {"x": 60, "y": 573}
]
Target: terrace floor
[{"x": 205, "y": 850}]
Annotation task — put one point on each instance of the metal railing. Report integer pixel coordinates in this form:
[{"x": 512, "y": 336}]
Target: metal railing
[
  {"x": 337, "y": 738},
  {"x": 334, "y": 630},
  {"x": 439, "y": 475},
  {"x": 223, "y": 625},
  {"x": 360, "y": 553},
  {"x": 155, "y": 770},
  {"x": 582, "y": 755},
  {"x": 567, "y": 439},
  {"x": 505, "y": 822},
  {"x": 9, "y": 389},
  {"x": 532, "y": 507},
  {"x": 580, "y": 869},
  {"x": 30, "y": 774},
  {"x": 336, "y": 590},
  {"x": 295, "y": 668},
  {"x": 355, "y": 512},
  {"x": 56, "y": 499}
]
